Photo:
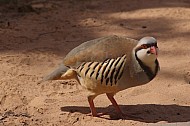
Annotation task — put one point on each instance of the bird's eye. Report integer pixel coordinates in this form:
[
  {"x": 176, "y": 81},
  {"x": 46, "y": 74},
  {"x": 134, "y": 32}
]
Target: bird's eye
[{"x": 144, "y": 46}]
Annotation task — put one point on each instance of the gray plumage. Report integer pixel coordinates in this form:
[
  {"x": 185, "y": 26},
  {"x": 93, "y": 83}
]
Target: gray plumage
[{"x": 108, "y": 65}]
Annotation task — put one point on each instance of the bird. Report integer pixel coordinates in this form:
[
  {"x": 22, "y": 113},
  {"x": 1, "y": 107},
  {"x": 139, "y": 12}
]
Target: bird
[{"x": 108, "y": 65}]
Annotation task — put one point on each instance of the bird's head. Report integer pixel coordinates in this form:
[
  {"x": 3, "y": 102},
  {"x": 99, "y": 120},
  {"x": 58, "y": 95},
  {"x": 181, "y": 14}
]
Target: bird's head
[{"x": 147, "y": 50}]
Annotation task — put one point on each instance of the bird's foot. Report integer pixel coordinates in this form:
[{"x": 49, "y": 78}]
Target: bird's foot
[{"x": 122, "y": 115}]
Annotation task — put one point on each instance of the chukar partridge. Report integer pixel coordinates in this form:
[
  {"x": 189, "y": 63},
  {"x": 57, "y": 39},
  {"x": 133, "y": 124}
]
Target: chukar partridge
[{"x": 109, "y": 65}]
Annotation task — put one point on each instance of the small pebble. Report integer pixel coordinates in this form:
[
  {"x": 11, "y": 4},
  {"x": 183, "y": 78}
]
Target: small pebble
[{"x": 144, "y": 27}]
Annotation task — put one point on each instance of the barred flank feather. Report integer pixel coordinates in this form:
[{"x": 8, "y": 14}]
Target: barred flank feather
[{"x": 107, "y": 72}]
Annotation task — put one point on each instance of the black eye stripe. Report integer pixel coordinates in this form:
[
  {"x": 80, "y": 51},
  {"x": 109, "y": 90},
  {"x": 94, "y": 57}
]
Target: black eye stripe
[
  {"x": 145, "y": 46},
  {"x": 150, "y": 45}
]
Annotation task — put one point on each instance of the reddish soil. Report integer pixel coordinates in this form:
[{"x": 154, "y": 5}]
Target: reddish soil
[{"x": 36, "y": 35}]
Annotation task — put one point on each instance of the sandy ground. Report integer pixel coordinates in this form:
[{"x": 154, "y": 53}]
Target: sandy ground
[{"x": 35, "y": 37}]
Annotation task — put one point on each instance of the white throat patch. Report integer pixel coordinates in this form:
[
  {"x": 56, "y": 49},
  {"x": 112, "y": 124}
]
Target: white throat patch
[{"x": 147, "y": 59}]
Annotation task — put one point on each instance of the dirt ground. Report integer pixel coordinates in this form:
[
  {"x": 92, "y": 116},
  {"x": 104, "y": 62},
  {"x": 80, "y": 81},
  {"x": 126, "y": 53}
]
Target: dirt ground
[{"x": 36, "y": 35}]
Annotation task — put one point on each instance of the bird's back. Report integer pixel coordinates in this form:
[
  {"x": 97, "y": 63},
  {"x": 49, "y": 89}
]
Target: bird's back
[
  {"x": 99, "y": 50},
  {"x": 99, "y": 63}
]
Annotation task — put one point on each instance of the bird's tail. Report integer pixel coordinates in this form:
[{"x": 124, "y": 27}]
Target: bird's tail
[{"x": 56, "y": 74}]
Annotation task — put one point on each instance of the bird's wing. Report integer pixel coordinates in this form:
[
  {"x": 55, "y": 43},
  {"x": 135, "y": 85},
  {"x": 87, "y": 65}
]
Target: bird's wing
[{"x": 99, "y": 50}]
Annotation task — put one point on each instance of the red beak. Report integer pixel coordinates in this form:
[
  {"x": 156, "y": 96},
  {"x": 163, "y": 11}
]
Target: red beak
[{"x": 153, "y": 50}]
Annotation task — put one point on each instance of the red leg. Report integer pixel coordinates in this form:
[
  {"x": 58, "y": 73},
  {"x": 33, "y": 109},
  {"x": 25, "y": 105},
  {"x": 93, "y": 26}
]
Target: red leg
[
  {"x": 92, "y": 107},
  {"x": 114, "y": 103}
]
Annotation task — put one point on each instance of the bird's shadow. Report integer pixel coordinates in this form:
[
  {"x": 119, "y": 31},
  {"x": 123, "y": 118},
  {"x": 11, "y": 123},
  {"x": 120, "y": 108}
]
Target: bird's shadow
[{"x": 149, "y": 113}]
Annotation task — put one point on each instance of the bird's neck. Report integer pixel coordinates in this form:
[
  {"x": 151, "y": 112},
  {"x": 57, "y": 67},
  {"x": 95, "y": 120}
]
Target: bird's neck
[{"x": 150, "y": 69}]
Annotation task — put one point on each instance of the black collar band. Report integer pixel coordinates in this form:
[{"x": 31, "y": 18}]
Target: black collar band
[{"x": 147, "y": 69}]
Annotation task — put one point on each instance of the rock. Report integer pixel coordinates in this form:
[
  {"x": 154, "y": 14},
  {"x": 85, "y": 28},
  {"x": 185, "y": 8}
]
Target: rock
[{"x": 1, "y": 117}]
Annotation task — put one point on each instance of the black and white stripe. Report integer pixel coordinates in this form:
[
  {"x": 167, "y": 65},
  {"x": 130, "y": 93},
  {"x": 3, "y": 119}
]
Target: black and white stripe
[
  {"x": 107, "y": 72},
  {"x": 147, "y": 69}
]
